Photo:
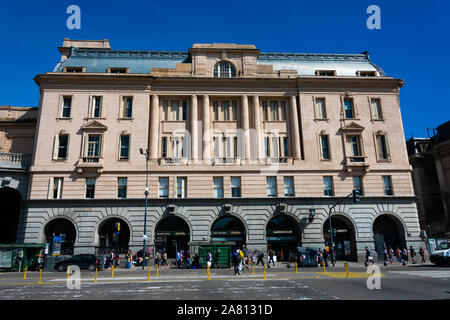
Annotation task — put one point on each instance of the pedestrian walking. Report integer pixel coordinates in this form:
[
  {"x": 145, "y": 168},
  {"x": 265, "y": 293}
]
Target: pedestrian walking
[
  {"x": 260, "y": 258},
  {"x": 391, "y": 255},
  {"x": 164, "y": 260},
  {"x": 325, "y": 256},
  {"x": 412, "y": 253},
  {"x": 209, "y": 259},
  {"x": 385, "y": 256},
  {"x": 236, "y": 260},
  {"x": 270, "y": 254},
  {"x": 404, "y": 256},
  {"x": 422, "y": 254},
  {"x": 188, "y": 260},
  {"x": 368, "y": 257}
]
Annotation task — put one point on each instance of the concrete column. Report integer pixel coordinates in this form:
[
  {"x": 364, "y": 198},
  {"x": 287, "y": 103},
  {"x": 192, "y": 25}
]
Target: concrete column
[
  {"x": 194, "y": 128},
  {"x": 206, "y": 129},
  {"x": 258, "y": 128},
  {"x": 245, "y": 127},
  {"x": 154, "y": 127},
  {"x": 295, "y": 131}
]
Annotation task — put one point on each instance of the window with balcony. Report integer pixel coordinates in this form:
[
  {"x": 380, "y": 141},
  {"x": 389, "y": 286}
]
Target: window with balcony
[
  {"x": 122, "y": 187},
  {"x": 354, "y": 149},
  {"x": 174, "y": 109},
  {"x": 90, "y": 188},
  {"x": 273, "y": 110},
  {"x": 349, "y": 109},
  {"x": 289, "y": 186},
  {"x": 224, "y": 69},
  {"x": 328, "y": 186},
  {"x": 164, "y": 187},
  {"x": 235, "y": 187},
  {"x": 57, "y": 188},
  {"x": 92, "y": 148},
  {"x": 66, "y": 107},
  {"x": 271, "y": 183},
  {"x": 124, "y": 148},
  {"x": 218, "y": 187}
]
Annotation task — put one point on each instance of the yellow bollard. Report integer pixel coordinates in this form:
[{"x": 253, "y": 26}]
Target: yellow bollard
[
  {"x": 25, "y": 274},
  {"x": 157, "y": 270},
  {"x": 40, "y": 276},
  {"x": 296, "y": 267},
  {"x": 96, "y": 272},
  {"x": 208, "y": 272},
  {"x": 253, "y": 271},
  {"x": 264, "y": 272},
  {"x": 68, "y": 272},
  {"x": 323, "y": 265},
  {"x": 148, "y": 273},
  {"x": 112, "y": 272}
]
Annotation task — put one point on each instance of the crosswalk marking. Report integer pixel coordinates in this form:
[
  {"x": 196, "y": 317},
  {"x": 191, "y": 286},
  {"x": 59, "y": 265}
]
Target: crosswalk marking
[{"x": 437, "y": 274}]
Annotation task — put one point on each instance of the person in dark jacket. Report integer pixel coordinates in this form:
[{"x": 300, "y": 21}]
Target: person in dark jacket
[{"x": 236, "y": 260}]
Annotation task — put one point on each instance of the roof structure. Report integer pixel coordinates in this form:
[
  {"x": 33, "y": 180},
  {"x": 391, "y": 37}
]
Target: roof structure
[{"x": 141, "y": 62}]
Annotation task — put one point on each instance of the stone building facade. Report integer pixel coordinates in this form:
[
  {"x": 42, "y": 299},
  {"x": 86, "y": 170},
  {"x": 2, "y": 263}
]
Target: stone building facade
[{"x": 243, "y": 147}]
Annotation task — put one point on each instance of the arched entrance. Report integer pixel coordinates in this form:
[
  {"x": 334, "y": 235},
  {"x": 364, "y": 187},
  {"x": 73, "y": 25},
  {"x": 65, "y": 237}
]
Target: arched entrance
[
  {"x": 388, "y": 232},
  {"x": 172, "y": 234},
  {"x": 60, "y": 231},
  {"x": 9, "y": 214},
  {"x": 283, "y": 237},
  {"x": 228, "y": 229},
  {"x": 344, "y": 239},
  {"x": 114, "y": 235}
]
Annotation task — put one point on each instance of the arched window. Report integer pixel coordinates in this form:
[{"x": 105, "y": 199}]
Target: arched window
[{"x": 224, "y": 70}]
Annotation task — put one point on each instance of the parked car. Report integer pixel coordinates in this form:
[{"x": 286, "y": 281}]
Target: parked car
[
  {"x": 83, "y": 261},
  {"x": 441, "y": 256}
]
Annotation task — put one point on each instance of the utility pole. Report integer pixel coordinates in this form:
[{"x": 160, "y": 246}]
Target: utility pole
[{"x": 144, "y": 238}]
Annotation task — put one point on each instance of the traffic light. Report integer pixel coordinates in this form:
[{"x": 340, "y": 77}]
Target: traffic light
[{"x": 356, "y": 196}]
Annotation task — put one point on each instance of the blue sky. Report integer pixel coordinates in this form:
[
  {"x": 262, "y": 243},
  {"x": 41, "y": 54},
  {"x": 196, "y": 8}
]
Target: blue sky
[{"x": 413, "y": 43}]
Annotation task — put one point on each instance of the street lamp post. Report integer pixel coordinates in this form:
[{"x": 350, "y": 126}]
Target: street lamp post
[{"x": 144, "y": 249}]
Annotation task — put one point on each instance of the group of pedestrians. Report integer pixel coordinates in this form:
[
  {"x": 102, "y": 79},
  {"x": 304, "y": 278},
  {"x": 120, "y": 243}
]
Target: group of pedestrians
[
  {"x": 185, "y": 260},
  {"x": 401, "y": 256},
  {"x": 322, "y": 256}
]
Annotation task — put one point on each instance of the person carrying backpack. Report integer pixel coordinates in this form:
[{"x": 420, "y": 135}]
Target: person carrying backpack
[{"x": 236, "y": 260}]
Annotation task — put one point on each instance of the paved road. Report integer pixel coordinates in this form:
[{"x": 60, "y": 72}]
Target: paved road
[{"x": 397, "y": 282}]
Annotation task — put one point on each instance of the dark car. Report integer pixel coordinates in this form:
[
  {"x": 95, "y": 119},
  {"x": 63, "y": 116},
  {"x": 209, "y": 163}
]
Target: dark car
[{"x": 83, "y": 261}]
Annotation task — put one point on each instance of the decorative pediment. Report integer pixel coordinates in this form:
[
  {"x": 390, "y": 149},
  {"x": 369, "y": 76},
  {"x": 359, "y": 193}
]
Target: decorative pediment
[
  {"x": 352, "y": 127},
  {"x": 94, "y": 126}
]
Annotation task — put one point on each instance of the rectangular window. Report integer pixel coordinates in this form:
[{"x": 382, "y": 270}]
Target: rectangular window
[
  {"x": 271, "y": 186},
  {"x": 93, "y": 145},
  {"x": 184, "y": 110},
  {"x": 273, "y": 110},
  {"x": 67, "y": 106},
  {"x": 357, "y": 184},
  {"x": 387, "y": 185},
  {"x": 90, "y": 188},
  {"x": 97, "y": 106},
  {"x": 63, "y": 141},
  {"x": 285, "y": 147},
  {"x": 325, "y": 147},
  {"x": 328, "y": 186},
  {"x": 375, "y": 107},
  {"x": 382, "y": 144},
  {"x": 326, "y": 73},
  {"x": 235, "y": 187},
  {"x": 181, "y": 190},
  {"x": 289, "y": 186},
  {"x": 57, "y": 187},
  {"x": 164, "y": 187},
  {"x": 122, "y": 187},
  {"x": 127, "y": 107},
  {"x": 218, "y": 187},
  {"x": 320, "y": 108},
  {"x": 124, "y": 146},
  {"x": 267, "y": 146},
  {"x": 179, "y": 145},
  {"x": 118, "y": 70},
  {"x": 164, "y": 147},
  {"x": 348, "y": 108}
]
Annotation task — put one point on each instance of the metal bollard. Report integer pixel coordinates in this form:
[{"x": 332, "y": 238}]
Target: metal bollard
[
  {"x": 346, "y": 268},
  {"x": 68, "y": 272},
  {"x": 112, "y": 271},
  {"x": 148, "y": 273},
  {"x": 296, "y": 267},
  {"x": 208, "y": 272},
  {"x": 253, "y": 271},
  {"x": 323, "y": 265},
  {"x": 40, "y": 276},
  {"x": 96, "y": 272},
  {"x": 157, "y": 270},
  {"x": 25, "y": 274}
]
